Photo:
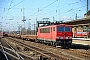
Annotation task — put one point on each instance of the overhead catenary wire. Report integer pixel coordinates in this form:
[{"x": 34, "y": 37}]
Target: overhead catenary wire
[
  {"x": 47, "y": 6},
  {"x": 44, "y": 7},
  {"x": 57, "y": 6},
  {"x": 16, "y": 4},
  {"x": 64, "y": 7},
  {"x": 9, "y": 7},
  {"x": 13, "y": 5},
  {"x": 4, "y": 8},
  {"x": 10, "y": 4},
  {"x": 69, "y": 10}
]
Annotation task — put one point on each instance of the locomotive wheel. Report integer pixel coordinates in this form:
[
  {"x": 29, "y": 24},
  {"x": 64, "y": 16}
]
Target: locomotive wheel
[
  {"x": 36, "y": 41},
  {"x": 49, "y": 44},
  {"x": 54, "y": 44}
]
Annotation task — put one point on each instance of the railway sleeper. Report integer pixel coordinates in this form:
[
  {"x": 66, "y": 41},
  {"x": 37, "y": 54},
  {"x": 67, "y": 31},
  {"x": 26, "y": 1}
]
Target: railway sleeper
[{"x": 26, "y": 49}]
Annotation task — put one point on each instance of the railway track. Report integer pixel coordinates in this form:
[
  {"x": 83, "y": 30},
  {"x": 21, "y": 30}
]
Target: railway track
[
  {"x": 44, "y": 53},
  {"x": 64, "y": 54},
  {"x": 85, "y": 54},
  {"x": 77, "y": 54},
  {"x": 8, "y": 49}
]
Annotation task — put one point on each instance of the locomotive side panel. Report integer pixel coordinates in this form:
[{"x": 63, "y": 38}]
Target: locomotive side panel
[
  {"x": 44, "y": 33},
  {"x": 53, "y": 33}
]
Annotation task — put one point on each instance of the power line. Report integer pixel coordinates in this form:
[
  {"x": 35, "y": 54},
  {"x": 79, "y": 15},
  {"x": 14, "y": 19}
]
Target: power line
[
  {"x": 69, "y": 10},
  {"x": 4, "y": 8},
  {"x": 9, "y": 7},
  {"x": 10, "y": 4},
  {"x": 48, "y": 5},
  {"x": 73, "y": 9},
  {"x": 44, "y": 7},
  {"x": 57, "y": 6},
  {"x": 14, "y": 5},
  {"x": 70, "y": 4}
]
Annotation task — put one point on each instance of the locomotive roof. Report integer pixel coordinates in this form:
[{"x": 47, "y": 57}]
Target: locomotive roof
[{"x": 54, "y": 25}]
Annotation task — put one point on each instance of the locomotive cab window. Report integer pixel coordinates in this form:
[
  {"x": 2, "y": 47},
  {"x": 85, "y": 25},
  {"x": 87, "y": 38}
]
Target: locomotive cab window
[
  {"x": 63, "y": 29},
  {"x": 60, "y": 29},
  {"x": 67, "y": 29}
]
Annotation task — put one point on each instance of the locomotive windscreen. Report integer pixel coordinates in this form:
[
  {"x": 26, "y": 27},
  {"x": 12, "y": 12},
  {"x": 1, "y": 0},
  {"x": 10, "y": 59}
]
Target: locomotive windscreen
[{"x": 63, "y": 29}]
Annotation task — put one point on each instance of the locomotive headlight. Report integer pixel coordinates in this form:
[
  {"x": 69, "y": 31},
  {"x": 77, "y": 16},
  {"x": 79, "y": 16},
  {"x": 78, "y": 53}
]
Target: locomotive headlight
[
  {"x": 86, "y": 34},
  {"x": 57, "y": 37},
  {"x": 61, "y": 37},
  {"x": 67, "y": 37}
]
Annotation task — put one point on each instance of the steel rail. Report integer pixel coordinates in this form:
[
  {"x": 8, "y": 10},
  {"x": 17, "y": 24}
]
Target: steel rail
[
  {"x": 11, "y": 55},
  {"x": 12, "y": 50},
  {"x": 26, "y": 55},
  {"x": 46, "y": 53},
  {"x": 78, "y": 54},
  {"x": 15, "y": 51}
]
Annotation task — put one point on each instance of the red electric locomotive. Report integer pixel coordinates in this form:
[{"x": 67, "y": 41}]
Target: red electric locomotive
[{"x": 55, "y": 35}]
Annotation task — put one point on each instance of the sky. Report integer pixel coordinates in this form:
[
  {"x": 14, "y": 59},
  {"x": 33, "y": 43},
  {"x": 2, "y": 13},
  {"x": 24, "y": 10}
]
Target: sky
[{"x": 12, "y": 11}]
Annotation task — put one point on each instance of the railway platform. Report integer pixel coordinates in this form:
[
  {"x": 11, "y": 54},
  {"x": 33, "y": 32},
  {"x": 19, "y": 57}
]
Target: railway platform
[{"x": 83, "y": 41}]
